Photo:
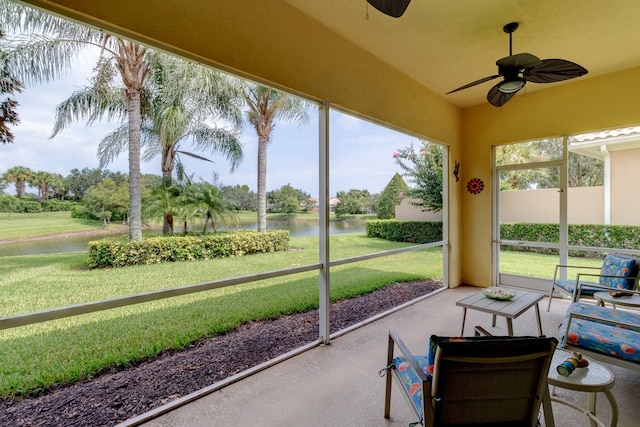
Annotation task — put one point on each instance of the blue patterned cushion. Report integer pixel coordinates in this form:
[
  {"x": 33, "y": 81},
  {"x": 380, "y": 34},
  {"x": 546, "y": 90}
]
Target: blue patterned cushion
[
  {"x": 617, "y": 266},
  {"x": 601, "y": 337},
  {"x": 569, "y": 285},
  {"x": 410, "y": 379}
]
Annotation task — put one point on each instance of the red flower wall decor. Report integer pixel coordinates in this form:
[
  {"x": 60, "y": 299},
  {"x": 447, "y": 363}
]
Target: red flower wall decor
[{"x": 475, "y": 186}]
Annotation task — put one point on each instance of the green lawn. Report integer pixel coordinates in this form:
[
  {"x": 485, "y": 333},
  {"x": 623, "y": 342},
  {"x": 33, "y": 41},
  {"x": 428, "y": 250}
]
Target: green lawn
[
  {"x": 15, "y": 226},
  {"x": 62, "y": 351},
  {"x": 39, "y": 356},
  {"x": 538, "y": 265}
]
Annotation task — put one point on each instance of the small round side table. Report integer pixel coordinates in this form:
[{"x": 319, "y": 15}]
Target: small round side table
[
  {"x": 603, "y": 297},
  {"x": 592, "y": 379}
]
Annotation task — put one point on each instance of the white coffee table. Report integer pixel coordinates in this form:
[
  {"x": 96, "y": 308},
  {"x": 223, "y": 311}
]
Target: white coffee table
[
  {"x": 604, "y": 297},
  {"x": 510, "y": 309},
  {"x": 591, "y": 380}
]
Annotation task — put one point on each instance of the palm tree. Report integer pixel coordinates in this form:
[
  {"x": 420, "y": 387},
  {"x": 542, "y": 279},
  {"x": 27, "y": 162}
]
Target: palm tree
[
  {"x": 8, "y": 114},
  {"x": 164, "y": 202},
  {"x": 213, "y": 205},
  {"x": 49, "y": 50},
  {"x": 20, "y": 176},
  {"x": 180, "y": 100},
  {"x": 264, "y": 106},
  {"x": 44, "y": 181}
]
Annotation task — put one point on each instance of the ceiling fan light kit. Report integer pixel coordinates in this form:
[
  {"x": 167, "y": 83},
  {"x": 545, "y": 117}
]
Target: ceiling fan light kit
[
  {"x": 512, "y": 86},
  {"x": 521, "y": 68}
]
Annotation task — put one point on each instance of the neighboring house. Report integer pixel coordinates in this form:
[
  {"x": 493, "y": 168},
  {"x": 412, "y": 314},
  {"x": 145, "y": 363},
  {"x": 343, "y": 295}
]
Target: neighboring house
[
  {"x": 405, "y": 211},
  {"x": 617, "y": 202},
  {"x": 620, "y": 151},
  {"x": 333, "y": 201}
]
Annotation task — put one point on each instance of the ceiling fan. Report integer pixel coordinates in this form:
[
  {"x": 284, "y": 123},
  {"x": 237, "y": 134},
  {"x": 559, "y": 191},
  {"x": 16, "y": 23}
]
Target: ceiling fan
[
  {"x": 393, "y": 8},
  {"x": 521, "y": 68}
]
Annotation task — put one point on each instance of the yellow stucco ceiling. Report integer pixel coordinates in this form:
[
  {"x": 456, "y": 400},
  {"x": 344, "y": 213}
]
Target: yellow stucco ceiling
[{"x": 444, "y": 44}]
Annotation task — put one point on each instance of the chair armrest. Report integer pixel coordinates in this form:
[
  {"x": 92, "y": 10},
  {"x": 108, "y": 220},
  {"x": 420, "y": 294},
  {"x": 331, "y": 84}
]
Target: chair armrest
[
  {"x": 578, "y": 287},
  {"x": 559, "y": 266},
  {"x": 395, "y": 340},
  {"x": 632, "y": 278}
]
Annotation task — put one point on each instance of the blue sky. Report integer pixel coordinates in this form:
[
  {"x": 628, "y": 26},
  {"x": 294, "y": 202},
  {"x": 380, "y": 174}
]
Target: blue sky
[{"x": 361, "y": 152}]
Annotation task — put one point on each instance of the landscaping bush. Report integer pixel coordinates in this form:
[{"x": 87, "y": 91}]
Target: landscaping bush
[
  {"x": 405, "y": 231},
  {"x": 592, "y": 235},
  {"x": 56, "y": 205},
  {"x": 28, "y": 206},
  {"x": 120, "y": 252},
  {"x": 81, "y": 212}
]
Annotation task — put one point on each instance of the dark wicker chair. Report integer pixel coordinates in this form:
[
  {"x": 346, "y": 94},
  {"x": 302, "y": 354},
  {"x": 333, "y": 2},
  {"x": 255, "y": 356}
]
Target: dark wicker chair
[{"x": 475, "y": 381}]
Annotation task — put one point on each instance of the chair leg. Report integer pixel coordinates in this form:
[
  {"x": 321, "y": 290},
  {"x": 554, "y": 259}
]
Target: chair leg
[
  {"x": 546, "y": 409},
  {"x": 387, "y": 393},
  {"x": 550, "y": 298}
]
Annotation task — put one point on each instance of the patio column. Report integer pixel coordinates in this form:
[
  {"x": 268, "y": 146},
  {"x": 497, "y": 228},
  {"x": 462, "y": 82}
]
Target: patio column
[
  {"x": 607, "y": 184},
  {"x": 323, "y": 168}
]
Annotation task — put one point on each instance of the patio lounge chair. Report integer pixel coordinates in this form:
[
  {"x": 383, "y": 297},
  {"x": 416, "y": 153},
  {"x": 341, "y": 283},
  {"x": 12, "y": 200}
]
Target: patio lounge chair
[
  {"x": 475, "y": 381},
  {"x": 618, "y": 272}
]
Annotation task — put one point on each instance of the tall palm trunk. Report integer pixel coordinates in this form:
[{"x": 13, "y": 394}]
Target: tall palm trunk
[
  {"x": 168, "y": 160},
  {"x": 134, "y": 72},
  {"x": 262, "y": 182},
  {"x": 135, "y": 204}
]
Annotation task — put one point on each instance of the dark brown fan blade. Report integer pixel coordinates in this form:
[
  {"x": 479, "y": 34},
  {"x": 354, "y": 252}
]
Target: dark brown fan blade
[
  {"x": 519, "y": 61},
  {"x": 554, "y": 70},
  {"x": 477, "y": 82},
  {"x": 497, "y": 98},
  {"x": 393, "y": 8}
]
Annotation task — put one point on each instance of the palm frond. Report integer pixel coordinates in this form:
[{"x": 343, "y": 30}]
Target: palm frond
[
  {"x": 88, "y": 105},
  {"x": 113, "y": 145},
  {"x": 195, "y": 156},
  {"x": 219, "y": 140},
  {"x": 39, "y": 59},
  {"x": 22, "y": 19}
]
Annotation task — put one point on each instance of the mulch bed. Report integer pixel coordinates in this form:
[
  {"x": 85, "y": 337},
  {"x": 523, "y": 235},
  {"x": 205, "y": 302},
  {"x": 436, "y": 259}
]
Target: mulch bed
[{"x": 117, "y": 395}]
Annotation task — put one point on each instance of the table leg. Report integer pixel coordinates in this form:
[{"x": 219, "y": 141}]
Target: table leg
[
  {"x": 464, "y": 318},
  {"x": 510, "y": 326},
  {"x": 493, "y": 323},
  {"x": 614, "y": 407},
  {"x": 539, "y": 321},
  {"x": 591, "y": 407}
]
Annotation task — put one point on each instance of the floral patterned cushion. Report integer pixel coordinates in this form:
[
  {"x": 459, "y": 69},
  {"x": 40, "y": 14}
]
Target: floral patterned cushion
[
  {"x": 618, "y": 266},
  {"x": 569, "y": 285},
  {"x": 410, "y": 379},
  {"x": 604, "y": 337}
]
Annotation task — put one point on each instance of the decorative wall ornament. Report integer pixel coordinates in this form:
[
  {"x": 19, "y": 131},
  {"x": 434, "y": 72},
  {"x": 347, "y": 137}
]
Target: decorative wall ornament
[
  {"x": 475, "y": 186},
  {"x": 456, "y": 170}
]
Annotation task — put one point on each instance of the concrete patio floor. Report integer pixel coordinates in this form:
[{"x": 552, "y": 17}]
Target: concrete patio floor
[{"x": 338, "y": 384}]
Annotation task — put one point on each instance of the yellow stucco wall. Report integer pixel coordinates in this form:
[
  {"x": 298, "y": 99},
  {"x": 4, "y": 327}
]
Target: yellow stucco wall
[{"x": 610, "y": 101}]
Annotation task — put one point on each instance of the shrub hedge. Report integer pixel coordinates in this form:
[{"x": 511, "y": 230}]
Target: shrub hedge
[
  {"x": 405, "y": 231},
  {"x": 594, "y": 235},
  {"x": 120, "y": 252}
]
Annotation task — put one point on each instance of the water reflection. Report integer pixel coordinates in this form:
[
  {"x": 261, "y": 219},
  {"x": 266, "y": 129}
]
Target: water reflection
[{"x": 79, "y": 243}]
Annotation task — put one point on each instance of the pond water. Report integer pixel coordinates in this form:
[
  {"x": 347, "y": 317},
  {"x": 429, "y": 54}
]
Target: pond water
[{"x": 79, "y": 243}]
